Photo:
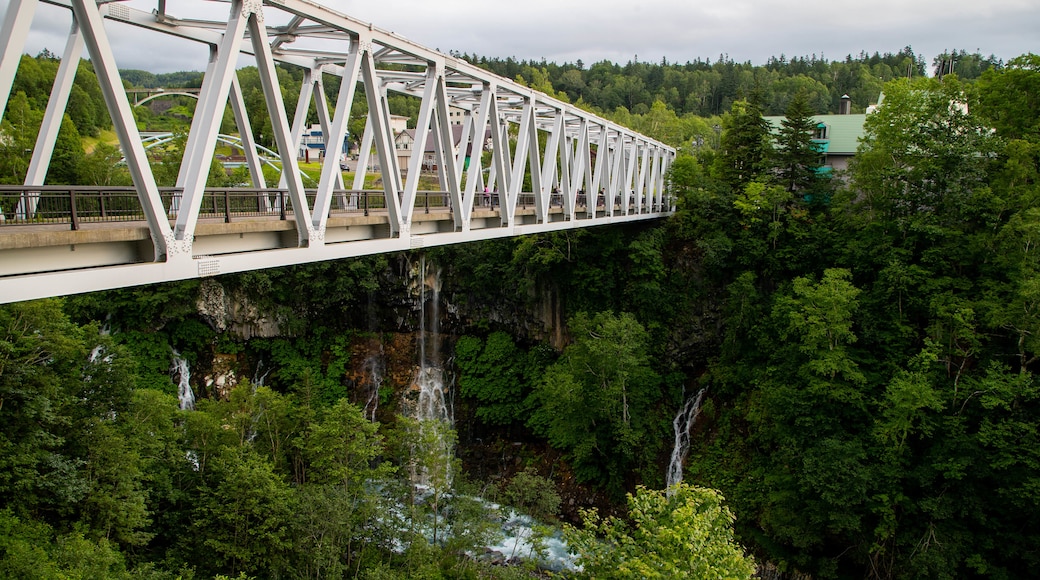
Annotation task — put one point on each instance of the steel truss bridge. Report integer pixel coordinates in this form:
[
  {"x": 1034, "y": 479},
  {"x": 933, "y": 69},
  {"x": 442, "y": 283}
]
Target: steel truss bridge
[{"x": 54, "y": 240}]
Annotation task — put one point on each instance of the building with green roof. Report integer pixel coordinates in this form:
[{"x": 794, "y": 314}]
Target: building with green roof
[{"x": 836, "y": 136}]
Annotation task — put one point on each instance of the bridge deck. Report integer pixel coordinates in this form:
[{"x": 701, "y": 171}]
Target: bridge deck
[{"x": 60, "y": 255}]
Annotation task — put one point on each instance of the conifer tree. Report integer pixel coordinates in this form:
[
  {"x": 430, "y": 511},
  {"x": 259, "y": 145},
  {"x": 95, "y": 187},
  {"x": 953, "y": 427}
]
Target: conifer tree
[
  {"x": 744, "y": 147},
  {"x": 796, "y": 156}
]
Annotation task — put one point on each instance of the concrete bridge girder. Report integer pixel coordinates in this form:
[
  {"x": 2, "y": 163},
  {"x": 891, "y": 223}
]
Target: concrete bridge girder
[{"x": 583, "y": 170}]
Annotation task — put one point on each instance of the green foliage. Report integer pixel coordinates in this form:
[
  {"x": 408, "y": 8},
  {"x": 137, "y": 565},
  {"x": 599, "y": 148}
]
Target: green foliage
[
  {"x": 497, "y": 373},
  {"x": 31, "y": 550},
  {"x": 1008, "y": 98},
  {"x": 923, "y": 157},
  {"x": 244, "y": 520},
  {"x": 341, "y": 448},
  {"x": 705, "y": 88},
  {"x": 797, "y": 157},
  {"x": 532, "y": 494},
  {"x": 19, "y": 125},
  {"x": 594, "y": 402},
  {"x": 745, "y": 146},
  {"x": 685, "y": 532}
]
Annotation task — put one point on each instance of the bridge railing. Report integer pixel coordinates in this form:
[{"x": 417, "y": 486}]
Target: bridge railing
[{"x": 79, "y": 205}]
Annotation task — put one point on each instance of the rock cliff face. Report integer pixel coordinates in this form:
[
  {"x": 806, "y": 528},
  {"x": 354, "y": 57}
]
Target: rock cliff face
[
  {"x": 386, "y": 326},
  {"x": 385, "y": 329},
  {"x": 395, "y": 306},
  {"x": 234, "y": 312}
]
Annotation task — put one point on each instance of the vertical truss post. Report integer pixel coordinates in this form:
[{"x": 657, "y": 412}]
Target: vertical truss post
[
  {"x": 534, "y": 159},
  {"x": 602, "y": 154},
  {"x": 449, "y": 162},
  {"x": 303, "y": 105},
  {"x": 364, "y": 153},
  {"x": 631, "y": 170},
  {"x": 322, "y": 109},
  {"x": 520, "y": 159},
  {"x": 422, "y": 133},
  {"x": 586, "y": 165},
  {"x": 644, "y": 177},
  {"x": 474, "y": 177},
  {"x": 205, "y": 94},
  {"x": 653, "y": 195},
  {"x": 616, "y": 172},
  {"x": 89, "y": 18},
  {"x": 665, "y": 168},
  {"x": 566, "y": 153},
  {"x": 467, "y": 142},
  {"x": 440, "y": 153},
  {"x": 581, "y": 174},
  {"x": 498, "y": 177}
]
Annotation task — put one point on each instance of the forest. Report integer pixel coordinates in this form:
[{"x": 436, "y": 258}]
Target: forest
[{"x": 864, "y": 346}]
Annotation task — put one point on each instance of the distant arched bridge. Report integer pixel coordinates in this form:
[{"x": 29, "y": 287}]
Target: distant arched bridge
[{"x": 551, "y": 166}]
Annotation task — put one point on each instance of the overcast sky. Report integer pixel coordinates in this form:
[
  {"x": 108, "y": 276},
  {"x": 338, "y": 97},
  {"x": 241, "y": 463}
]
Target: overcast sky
[{"x": 595, "y": 30}]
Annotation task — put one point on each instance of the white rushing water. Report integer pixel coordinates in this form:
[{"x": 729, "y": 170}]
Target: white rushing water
[
  {"x": 520, "y": 541},
  {"x": 179, "y": 369},
  {"x": 373, "y": 372},
  {"x": 433, "y": 392},
  {"x": 433, "y": 409},
  {"x": 682, "y": 424}
]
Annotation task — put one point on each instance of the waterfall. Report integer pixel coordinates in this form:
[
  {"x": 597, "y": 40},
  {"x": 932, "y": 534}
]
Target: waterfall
[
  {"x": 433, "y": 411},
  {"x": 260, "y": 378},
  {"x": 433, "y": 403},
  {"x": 682, "y": 424},
  {"x": 373, "y": 370},
  {"x": 179, "y": 368}
]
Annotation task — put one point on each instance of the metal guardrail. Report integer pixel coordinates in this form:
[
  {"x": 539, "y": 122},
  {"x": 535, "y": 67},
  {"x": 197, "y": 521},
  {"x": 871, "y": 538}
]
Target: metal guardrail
[{"x": 78, "y": 205}]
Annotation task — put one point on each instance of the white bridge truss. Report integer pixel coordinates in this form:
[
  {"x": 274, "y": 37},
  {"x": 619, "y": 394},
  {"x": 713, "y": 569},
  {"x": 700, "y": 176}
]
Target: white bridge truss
[{"x": 582, "y": 170}]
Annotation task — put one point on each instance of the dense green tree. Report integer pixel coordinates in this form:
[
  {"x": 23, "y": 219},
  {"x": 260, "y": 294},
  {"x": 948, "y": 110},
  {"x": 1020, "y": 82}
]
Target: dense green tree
[
  {"x": 19, "y": 126},
  {"x": 594, "y": 402},
  {"x": 243, "y": 521},
  {"x": 966, "y": 66},
  {"x": 797, "y": 156},
  {"x": 40, "y": 355},
  {"x": 1008, "y": 98},
  {"x": 684, "y": 532},
  {"x": 745, "y": 146},
  {"x": 923, "y": 156},
  {"x": 31, "y": 550},
  {"x": 101, "y": 167},
  {"x": 496, "y": 373}
]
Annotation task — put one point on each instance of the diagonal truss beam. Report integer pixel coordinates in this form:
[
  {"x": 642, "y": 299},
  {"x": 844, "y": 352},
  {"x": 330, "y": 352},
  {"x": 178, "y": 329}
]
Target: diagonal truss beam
[{"x": 88, "y": 17}]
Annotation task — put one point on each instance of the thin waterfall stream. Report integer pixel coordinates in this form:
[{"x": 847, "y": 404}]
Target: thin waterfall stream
[
  {"x": 433, "y": 410},
  {"x": 682, "y": 424},
  {"x": 373, "y": 372},
  {"x": 179, "y": 368}
]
